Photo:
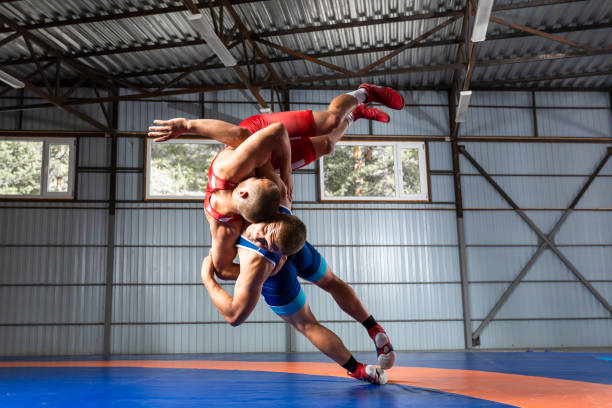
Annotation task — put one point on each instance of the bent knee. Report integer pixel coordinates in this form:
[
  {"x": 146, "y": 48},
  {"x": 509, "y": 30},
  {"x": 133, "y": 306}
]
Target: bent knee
[
  {"x": 306, "y": 327},
  {"x": 242, "y": 133},
  {"x": 332, "y": 121},
  {"x": 326, "y": 146},
  {"x": 278, "y": 128}
]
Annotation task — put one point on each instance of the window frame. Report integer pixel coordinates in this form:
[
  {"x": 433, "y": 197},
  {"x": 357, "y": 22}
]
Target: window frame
[
  {"x": 44, "y": 175},
  {"x": 424, "y": 197},
  {"x": 147, "y": 169}
]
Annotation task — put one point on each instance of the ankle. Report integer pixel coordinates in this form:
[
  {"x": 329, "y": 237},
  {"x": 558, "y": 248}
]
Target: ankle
[{"x": 374, "y": 330}]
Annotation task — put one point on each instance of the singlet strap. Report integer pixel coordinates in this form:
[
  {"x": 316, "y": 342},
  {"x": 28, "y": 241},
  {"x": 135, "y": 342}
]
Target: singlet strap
[
  {"x": 284, "y": 210},
  {"x": 216, "y": 214},
  {"x": 216, "y": 183},
  {"x": 269, "y": 256}
]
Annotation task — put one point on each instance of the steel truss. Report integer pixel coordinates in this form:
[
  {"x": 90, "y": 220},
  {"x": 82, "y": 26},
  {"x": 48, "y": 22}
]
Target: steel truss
[{"x": 546, "y": 240}]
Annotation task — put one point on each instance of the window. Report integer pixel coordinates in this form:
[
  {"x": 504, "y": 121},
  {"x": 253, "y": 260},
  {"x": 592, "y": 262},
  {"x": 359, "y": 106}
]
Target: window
[
  {"x": 179, "y": 168},
  {"x": 375, "y": 171},
  {"x": 37, "y": 168}
]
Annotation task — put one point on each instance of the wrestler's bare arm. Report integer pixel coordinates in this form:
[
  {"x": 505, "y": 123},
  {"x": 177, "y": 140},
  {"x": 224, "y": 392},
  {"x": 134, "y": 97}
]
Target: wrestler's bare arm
[
  {"x": 254, "y": 271},
  {"x": 223, "y": 132},
  {"x": 267, "y": 141},
  {"x": 255, "y": 151},
  {"x": 223, "y": 250},
  {"x": 267, "y": 171}
]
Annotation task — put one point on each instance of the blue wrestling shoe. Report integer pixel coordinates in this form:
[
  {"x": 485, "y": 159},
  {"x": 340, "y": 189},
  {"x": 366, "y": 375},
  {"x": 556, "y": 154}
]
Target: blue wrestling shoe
[{"x": 384, "y": 350}]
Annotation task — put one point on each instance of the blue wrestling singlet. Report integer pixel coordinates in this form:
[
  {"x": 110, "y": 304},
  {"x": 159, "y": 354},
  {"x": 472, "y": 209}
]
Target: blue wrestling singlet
[
  {"x": 244, "y": 243},
  {"x": 283, "y": 292}
]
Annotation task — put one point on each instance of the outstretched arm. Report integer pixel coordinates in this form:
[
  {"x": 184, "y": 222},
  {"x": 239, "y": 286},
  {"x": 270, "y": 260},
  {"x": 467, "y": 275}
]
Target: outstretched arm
[
  {"x": 218, "y": 130},
  {"x": 231, "y": 135},
  {"x": 247, "y": 290}
]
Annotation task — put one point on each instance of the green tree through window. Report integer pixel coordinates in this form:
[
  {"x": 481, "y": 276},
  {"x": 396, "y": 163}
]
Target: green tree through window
[
  {"x": 362, "y": 171},
  {"x": 20, "y": 167},
  {"x": 379, "y": 171},
  {"x": 59, "y": 164},
  {"x": 411, "y": 178},
  {"x": 180, "y": 169}
]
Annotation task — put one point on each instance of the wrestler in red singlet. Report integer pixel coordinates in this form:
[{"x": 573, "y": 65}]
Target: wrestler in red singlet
[
  {"x": 300, "y": 126},
  {"x": 216, "y": 184}
]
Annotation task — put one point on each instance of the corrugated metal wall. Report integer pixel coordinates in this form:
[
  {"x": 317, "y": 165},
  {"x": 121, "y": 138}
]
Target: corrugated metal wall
[
  {"x": 402, "y": 259},
  {"x": 550, "y": 308}
]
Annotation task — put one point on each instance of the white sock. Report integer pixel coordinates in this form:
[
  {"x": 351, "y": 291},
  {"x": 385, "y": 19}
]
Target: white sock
[
  {"x": 359, "y": 94},
  {"x": 350, "y": 119}
]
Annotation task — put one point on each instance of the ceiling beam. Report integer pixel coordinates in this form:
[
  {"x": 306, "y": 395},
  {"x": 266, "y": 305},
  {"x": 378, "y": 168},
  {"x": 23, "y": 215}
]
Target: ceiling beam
[
  {"x": 402, "y": 19},
  {"x": 10, "y": 38},
  {"x": 247, "y": 35},
  {"x": 115, "y": 51},
  {"x": 311, "y": 79},
  {"x": 531, "y": 4},
  {"x": 359, "y": 51},
  {"x": 121, "y": 15},
  {"x": 410, "y": 44},
  {"x": 461, "y": 59},
  {"x": 30, "y": 75},
  {"x": 243, "y": 77},
  {"x": 502, "y": 82},
  {"x": 543, "y": 57},
  {"x": 201, "y": 4},
  {"x": 198, "y": 41},
  {"x": 184, "y": 73},
  {"x": 38, "y": 65},
  {"x": 96, "y": 75},
  {"x": 305, "y": 57},
  {"x": 56, "y": 102},
  {"x": 542, "y": 34}
]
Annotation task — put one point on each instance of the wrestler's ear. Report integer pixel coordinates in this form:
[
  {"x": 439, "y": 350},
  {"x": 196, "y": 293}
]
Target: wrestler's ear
[{"x": 243, "y": 194}]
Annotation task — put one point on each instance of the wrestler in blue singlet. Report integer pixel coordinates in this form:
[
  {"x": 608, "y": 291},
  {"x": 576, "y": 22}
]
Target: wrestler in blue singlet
[{"x": 282, "y": 292}]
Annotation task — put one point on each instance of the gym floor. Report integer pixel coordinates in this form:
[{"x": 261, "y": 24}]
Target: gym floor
[{"x": 427, "y": 379}]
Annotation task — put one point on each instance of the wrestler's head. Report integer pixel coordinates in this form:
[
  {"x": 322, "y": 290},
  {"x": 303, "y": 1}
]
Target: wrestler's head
[
  {"x": 256, "y": 198},
  {"x": 283, "y": 234}
]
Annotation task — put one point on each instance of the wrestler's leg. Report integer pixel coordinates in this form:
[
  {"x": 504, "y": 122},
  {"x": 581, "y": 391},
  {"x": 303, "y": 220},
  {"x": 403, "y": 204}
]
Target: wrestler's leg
[
  {"x": 344, "y": 295},
  {"x": 327, "y": 121},
  {"x": 331, "y": 345},
  {"x": 325, "y": 144},
  {"x": 320, "y": 336},
  {"x": 311, "y": 266},
  {"x": 349, "y": 302},
  {"x": 332, "y": 124},
  {"x": 342, "y": 105}
]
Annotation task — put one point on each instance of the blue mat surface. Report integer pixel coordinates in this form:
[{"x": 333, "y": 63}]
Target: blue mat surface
[{"x": 154, "y": 387}]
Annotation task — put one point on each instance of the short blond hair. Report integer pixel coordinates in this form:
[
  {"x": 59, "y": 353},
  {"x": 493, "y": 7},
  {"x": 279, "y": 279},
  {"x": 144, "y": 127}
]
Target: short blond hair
[
  {"x": 261, "y": 203},
  {"x": 291, "y": 235}
]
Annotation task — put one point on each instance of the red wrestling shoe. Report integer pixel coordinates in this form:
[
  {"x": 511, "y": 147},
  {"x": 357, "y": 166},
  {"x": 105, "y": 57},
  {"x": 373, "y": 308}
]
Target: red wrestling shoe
[
  {"x": 387, "y": 96},
  {"x": 369, "y": 373},
  {"x": 384, "y": 350},
  {"x": 365, "y": 112}
]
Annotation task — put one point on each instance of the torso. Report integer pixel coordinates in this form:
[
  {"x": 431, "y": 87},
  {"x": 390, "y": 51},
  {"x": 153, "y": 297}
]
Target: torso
[{"x": 217, "y": 203}]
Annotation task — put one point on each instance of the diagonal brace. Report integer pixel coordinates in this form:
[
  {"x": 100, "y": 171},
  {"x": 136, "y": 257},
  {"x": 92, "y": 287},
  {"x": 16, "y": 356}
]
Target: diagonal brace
[
  {"x": 546, "y": 239},
  {"x": 542, "y": 34},
  {"x": 57, "y": 102},
  {"x": 410, "y": 44}
]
